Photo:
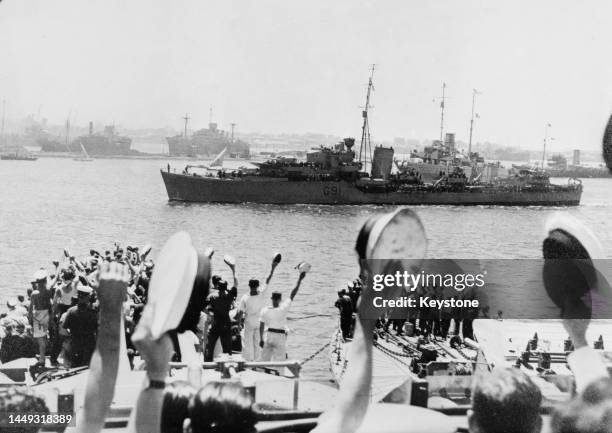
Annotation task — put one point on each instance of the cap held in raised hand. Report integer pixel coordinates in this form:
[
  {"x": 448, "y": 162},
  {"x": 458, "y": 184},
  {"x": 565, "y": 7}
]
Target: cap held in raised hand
[
  {"x": 276, "y": 259},
  {"x": 229, "y": 260},
  {"x": 570, "y": 273},
  {"x": 386, "y": 244},
  {"x": 178, "y": 287},
  {"x": 579, "y": 236},
  {"x": 303, "y": 267},
  {"x": 396, "y": 235},
  {"x": 145, "y": 250}
]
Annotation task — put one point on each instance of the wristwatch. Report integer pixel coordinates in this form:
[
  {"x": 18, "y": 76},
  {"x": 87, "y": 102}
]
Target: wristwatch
[{"x": 155, "y": 384}]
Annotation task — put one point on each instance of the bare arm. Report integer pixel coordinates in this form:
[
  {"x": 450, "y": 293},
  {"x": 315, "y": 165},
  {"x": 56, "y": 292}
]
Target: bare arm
[
  {"x": 297, "y": 286},
  {"x": 104, "y": 364},
  {"x": 586, "y": 364},
  {"x": 354, "y": 396},
  {"x": 55, "y": 300},
  {"x": 54, "y": 281},
  {"x": 77, "y": 264},
  {"x": 272, "y": 268},
  {"x": 233, "y": 268},
  {"x": 146, "y": 416}
]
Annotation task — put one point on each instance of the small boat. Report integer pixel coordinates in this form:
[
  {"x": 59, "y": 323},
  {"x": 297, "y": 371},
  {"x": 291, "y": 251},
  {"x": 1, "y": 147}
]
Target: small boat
[{"x": 84, "y": 155}]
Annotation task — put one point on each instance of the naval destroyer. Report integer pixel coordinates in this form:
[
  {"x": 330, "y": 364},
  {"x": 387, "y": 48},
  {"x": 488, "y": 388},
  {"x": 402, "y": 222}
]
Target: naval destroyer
[{"x": 335, "y": 175}]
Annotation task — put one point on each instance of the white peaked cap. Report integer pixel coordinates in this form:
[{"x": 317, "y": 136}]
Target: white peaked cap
[
  {"x": 172, "y": 283},
  {"x": 574, "y": 227}
]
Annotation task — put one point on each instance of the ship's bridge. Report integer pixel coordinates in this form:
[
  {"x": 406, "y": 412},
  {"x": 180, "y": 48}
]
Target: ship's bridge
[{"x": 328, "y": 158}]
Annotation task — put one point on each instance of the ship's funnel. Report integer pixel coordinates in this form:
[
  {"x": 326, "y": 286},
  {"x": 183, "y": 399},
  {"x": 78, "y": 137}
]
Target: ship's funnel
[
  {"x": 90, "y": 128},
  {"x": 382, "y": 162},
  {"x": 576, "y": 159},
  {"x": 449, "y": 143}
]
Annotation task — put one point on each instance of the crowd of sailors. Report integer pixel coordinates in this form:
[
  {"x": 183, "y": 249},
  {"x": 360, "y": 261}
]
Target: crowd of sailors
[
  {"x": 57, "y": 319},
  {"x": 84, "y": 298}
]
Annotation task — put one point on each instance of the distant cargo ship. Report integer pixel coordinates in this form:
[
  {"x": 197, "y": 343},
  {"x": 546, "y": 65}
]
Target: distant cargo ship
[
  {"x": 206, "y": 142},
  {"x": 334, "y": 176},
  {"x": 107, "y": 143}
]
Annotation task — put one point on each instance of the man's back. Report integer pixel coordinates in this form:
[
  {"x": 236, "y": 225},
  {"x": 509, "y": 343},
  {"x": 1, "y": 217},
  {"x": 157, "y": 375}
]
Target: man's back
[
  {"x": 345, "y": 305},
  {"x": 82, "y": 322},
  {"x": 220, "y": 304},
  {"x": 275, "y": 317}
]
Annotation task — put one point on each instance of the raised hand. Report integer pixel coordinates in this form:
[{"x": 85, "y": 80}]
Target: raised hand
[
  {"x": 576, "y": 328},
  {"x": 155, "y": 352},
  {"x": 112, "y": 282}
]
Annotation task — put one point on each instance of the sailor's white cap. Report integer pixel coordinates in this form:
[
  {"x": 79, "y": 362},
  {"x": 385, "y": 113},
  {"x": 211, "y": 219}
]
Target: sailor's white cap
[
  {"x": 414, "y": 234},
  {"x": 574, "y": 227},
  {"x": 229, "y": 260},
  {"x": 172, "y": 283},
  {"x": 12, "y": 303},
  {"x": 303, "y": 267},
  {"x": 86, "y": 290}
]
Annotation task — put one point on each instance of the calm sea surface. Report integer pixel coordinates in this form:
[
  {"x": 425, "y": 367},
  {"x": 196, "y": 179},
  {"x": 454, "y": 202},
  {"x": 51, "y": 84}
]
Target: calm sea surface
[{"x": 54, "y": 203}]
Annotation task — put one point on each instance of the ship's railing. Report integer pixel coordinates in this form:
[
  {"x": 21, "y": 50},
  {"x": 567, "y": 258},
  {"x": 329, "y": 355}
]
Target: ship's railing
[{"x": 229, "y": 369}]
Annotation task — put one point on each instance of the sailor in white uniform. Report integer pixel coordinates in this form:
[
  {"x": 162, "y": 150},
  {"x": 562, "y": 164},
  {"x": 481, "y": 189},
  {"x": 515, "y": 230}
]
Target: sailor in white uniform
[
  {"x": 250, "y": 307},
  {"x": 274, "y": 320}
]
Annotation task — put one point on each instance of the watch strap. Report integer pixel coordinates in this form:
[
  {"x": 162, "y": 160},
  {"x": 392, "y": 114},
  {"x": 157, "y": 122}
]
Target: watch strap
[{"x": 156, "y": 384}]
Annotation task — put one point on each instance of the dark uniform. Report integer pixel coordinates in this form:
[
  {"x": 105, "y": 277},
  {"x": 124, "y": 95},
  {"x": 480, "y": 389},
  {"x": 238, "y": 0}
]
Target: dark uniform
[
  {"x": 345, "y": 305},
  {"x": 82, "y": 322},
  {"x": 219, "y": 304}
]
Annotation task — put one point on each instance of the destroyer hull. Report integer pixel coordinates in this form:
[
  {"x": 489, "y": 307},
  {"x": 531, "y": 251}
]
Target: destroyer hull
[{"x": 188, "y": 188}]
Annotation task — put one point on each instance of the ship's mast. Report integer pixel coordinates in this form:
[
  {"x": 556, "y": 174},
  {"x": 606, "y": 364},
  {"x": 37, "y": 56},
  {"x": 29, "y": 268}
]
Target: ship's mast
[
  {"x": 548, "y": 125},
  {"x": 186, "y": 119},
  {"x": 366, "y": 146},
  {"x": 210, "y": 114},
  {"x": 442, "y": 112},
  {"x": 474, "y": 93}
]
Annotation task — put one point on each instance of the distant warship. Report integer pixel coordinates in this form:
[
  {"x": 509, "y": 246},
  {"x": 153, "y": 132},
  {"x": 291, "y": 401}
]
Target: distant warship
[{"x": 333, "y": 175}]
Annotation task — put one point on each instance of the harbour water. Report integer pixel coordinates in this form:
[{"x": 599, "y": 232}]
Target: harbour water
[{"x": 55, "y": 203}]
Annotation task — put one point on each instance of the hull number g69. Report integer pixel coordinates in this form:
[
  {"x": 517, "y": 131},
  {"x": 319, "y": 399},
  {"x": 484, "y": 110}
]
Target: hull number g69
[{"x": 330, "y": 190}]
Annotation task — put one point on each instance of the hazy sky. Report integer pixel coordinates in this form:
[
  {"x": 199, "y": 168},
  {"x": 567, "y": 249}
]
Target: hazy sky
[{"x": 298, "y": 66}]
